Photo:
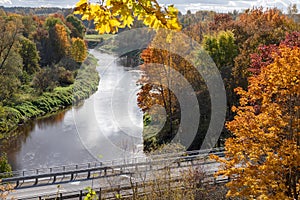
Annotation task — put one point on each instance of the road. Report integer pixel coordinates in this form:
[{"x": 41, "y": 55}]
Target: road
[{"x": 46, "y": 188}]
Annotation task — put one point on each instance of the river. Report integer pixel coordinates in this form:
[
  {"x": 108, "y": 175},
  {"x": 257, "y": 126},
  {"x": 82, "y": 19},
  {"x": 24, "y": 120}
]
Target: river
[{"x": 107, "y": 126}]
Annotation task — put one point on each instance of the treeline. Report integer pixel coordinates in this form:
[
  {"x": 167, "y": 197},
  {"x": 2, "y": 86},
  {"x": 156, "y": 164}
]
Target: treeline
[
  {"x": 37, "y": 11},
  {"x": 40, "y": 59},
  {"x": 235, "y": 42}
]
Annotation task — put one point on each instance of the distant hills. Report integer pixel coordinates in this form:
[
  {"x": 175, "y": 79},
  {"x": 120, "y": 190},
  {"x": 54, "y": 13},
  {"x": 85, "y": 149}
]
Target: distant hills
[{"x": 37, "y": 11}]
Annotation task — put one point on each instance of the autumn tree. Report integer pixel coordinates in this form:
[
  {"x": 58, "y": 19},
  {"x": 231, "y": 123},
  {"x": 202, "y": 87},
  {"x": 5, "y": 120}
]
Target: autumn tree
[
  {"x": 29, "y": 26},
  {"x": 265, "y": 54},
  {"x": 263, "y": 156},
  {"x": 30, "y": 56},
  {"x": 76, "y": 26},
  {"x": 10, "y": 59},
  {"x": 197, "y": 31},
  {"x": 221, "y": 22},
  {"x": 2, "y": 12},
  {"x": 78, "y": 50},
  {"x": 62, "y": 40},
  {"x": 58, "y": 43},
  {"x": 4, "y": 165},
  {"x": 158, "y": 92},
  {"x": 254, "y": 28},
  {"x": 223, "y": 50},
  {"x": 165, "y": 71},
  {"x": 45, "y": 80},
  {"x": 51, "y": 21},
  {"x": 9, "y": 36}
]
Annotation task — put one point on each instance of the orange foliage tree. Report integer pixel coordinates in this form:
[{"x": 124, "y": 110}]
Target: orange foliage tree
[
  {"x": 253, "y": 28},
  {"x": 165, "y": 69},
  {"x": 263, "y": 156},
  {"x": 62, "y": 39}
]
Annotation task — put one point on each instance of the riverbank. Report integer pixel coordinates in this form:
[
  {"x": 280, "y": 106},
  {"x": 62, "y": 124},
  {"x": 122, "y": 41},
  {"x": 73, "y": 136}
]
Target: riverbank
[{"x": 86, "y": 83}]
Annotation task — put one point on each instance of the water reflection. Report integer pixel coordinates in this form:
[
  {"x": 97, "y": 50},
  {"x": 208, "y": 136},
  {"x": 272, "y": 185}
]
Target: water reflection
[
  {"x": 52, "y": 120},
  {"x": 81, "y": 133}
]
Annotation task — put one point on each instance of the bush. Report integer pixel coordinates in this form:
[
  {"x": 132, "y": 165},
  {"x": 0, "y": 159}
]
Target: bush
[{"x": 5, "y": 166}]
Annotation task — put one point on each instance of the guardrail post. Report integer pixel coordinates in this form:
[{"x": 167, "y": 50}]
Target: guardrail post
[
  {"x": 37, "y": 171},
  {"x": 23, "y": 173},
  {"x": 51, "y": 170},
  {"x": 80, "y": 195},
  {"x": 36, "y": 181},
  {"x": 40, "y": 198},
  {"x": 17, "y": 184},
  {"x": 89, "y": 174},
  {"x": 54, "y": 179},
  {"x": 105, "y": 171},
  {"x": 60, "y": 196},
  {"x": 136, "y": 189},
  {"x": 72, "y": 176},
  {"x": 119, "y": 190},
  {"x": 99, "y": 197}
]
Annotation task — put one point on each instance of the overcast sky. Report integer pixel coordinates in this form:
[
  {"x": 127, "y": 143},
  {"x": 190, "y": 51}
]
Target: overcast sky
[{"x": 183, "y": 5}]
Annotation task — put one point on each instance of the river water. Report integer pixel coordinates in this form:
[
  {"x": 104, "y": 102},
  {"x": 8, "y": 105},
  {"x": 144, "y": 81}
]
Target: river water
[{"x": 107, "y": 126}]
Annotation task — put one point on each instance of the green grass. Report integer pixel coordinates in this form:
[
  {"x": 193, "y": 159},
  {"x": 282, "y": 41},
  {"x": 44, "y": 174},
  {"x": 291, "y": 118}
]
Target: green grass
[{"x": 96, "y": 37}]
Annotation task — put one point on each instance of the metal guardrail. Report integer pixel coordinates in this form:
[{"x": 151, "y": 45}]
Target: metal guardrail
[
  {"x": 88, "y": 168},
  {"x": 21, "y": 173},
  {"x": 110, "y": 191}
]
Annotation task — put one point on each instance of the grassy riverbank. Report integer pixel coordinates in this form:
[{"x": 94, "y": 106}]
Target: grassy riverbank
[{"x": 86, "y": 83}]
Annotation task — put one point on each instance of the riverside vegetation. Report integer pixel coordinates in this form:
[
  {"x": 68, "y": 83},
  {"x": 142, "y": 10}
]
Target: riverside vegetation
[{"x": 44, "y": 67}]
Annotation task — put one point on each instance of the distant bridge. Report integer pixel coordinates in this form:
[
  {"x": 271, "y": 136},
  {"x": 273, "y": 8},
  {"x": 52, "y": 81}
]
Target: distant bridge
[{"x": 32, "y": 180}]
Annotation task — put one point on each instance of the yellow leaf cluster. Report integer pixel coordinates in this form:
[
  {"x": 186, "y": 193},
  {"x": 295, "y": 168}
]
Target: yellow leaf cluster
[{"x": 114, "y": 14}]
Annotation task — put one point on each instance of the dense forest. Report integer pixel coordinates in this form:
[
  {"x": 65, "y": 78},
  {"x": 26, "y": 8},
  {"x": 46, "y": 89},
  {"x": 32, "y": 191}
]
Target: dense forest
[
  {"x": 41, "y": 56},
  {"x": 239, "y": 44}
]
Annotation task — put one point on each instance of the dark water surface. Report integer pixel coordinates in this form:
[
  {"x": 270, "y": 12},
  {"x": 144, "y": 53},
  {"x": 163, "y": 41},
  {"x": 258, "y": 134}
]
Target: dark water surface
[{"x": 107, "y": 126}]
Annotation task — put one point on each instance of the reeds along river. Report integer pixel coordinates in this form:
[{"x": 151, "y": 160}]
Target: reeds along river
[{"x": 107, "y": 126}]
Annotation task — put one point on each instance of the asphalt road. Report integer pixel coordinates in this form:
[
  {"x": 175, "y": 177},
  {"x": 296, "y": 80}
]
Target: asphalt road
[{"x": 46, "y": 188}]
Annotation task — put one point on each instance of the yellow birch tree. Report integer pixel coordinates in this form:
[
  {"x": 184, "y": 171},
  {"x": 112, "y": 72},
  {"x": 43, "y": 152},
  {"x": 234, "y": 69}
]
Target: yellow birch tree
[{"x": 78, "y": 50}]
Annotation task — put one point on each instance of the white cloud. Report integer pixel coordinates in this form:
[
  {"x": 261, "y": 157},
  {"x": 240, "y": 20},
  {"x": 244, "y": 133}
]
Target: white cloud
[
  {"x": 5, "y": 2},
  {"x": 183, "y": 5},
  {"x": 229, "y": 5}
]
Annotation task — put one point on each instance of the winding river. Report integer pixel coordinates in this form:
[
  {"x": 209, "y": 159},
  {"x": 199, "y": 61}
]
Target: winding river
[{"x": 107, "y": 126}]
